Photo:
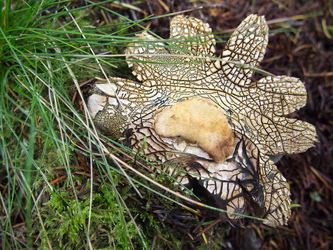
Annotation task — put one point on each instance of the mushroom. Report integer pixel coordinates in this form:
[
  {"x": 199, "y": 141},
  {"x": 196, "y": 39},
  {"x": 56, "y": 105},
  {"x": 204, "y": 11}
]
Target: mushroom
[{"x": 206, "y": 117}]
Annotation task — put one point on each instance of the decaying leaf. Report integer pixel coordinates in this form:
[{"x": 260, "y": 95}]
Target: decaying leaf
[{"x": 183, "y": 68}]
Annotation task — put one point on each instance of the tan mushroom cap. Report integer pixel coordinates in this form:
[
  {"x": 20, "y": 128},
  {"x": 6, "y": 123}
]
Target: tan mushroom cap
[{"x": 198, "y": 121}]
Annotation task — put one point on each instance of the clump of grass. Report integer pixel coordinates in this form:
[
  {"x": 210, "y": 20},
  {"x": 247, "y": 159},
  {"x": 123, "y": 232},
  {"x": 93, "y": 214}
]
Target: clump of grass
[{"x": 41, "y": 53}]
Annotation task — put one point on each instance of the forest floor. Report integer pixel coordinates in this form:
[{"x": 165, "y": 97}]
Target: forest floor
[
  {"x": 300, "y": 45},
  {"x": 303, "y": 51}
]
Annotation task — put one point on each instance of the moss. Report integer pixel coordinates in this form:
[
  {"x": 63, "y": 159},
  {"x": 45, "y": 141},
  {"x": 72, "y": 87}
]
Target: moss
[{"x": 66, "y": 220}]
